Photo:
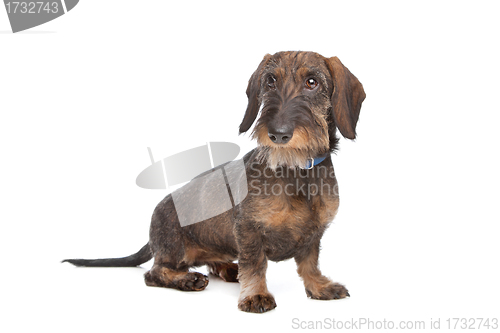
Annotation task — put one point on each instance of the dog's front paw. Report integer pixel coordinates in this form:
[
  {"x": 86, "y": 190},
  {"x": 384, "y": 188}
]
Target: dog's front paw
[
  {"x": 258, "y": 303},
  {"x": 330, "y": 291}
]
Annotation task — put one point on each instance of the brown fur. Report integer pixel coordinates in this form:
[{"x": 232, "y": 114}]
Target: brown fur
[
  {"x": 287, "y": 208},
  {"x": 227, "y": 271},
  {"x": 269, "y": 225}
]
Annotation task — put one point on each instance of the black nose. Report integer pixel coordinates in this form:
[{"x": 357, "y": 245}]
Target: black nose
[{"x": 280, "y": 135}]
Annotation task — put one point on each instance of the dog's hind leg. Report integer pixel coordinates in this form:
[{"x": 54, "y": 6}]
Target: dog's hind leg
[
  {"x": 171, "y": 270},
  {"x": 163, "y": 276},
  {"x": 227, "y": 271}
]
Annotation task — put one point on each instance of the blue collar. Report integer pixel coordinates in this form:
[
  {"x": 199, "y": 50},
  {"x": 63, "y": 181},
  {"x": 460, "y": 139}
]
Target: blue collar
[{"x": 312, "y": 162}]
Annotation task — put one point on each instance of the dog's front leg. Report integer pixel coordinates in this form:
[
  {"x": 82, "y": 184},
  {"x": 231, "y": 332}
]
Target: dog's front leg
[
  {"x": 317, "y": 285},
  {"x": 252, "y": 266}
]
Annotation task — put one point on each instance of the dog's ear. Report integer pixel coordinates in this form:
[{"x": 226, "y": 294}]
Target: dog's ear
[
  {"x": 347, "y": 96},
  {"x": 253, "y": 94}
]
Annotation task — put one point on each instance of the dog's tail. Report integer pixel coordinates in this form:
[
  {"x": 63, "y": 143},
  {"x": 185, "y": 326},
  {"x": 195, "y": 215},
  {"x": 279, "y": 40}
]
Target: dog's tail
[{"x": 133, "y": 260}]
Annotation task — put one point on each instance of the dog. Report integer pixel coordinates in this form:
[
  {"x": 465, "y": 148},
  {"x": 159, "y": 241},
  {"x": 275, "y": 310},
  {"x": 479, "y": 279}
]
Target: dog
[{"x": 302, "y": 98}]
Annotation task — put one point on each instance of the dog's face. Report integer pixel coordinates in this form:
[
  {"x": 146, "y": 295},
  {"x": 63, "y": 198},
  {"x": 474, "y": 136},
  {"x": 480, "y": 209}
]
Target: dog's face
[{"x": 304, "y": 98}]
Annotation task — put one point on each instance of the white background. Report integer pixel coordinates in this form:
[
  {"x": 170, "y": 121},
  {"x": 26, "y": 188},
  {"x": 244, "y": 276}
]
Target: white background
[{"x": 81, "y": 97}]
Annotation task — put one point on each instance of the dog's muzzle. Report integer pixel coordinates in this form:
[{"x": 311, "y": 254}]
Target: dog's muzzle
[{"x": 280, "y": 135}]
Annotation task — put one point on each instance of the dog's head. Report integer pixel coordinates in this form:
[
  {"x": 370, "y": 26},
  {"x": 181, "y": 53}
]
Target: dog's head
[{"x": 305, "y": 97}]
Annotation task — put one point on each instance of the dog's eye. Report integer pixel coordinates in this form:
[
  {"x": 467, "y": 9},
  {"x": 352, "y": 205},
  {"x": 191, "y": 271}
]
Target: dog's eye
[
  {"x": 311, "y": 83},
  {"x": 271, "y": 82}
]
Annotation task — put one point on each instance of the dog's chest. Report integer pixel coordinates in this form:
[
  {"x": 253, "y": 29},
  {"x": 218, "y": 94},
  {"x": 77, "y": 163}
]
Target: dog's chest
[{"x": 290, "y": 221}]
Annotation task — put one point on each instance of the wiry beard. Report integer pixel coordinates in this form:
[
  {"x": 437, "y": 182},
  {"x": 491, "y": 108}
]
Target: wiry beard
[
  {"x": 293, "y": 154},
  {"x": 291, "y": 158},
  {"x": 310, "y": 136}
]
